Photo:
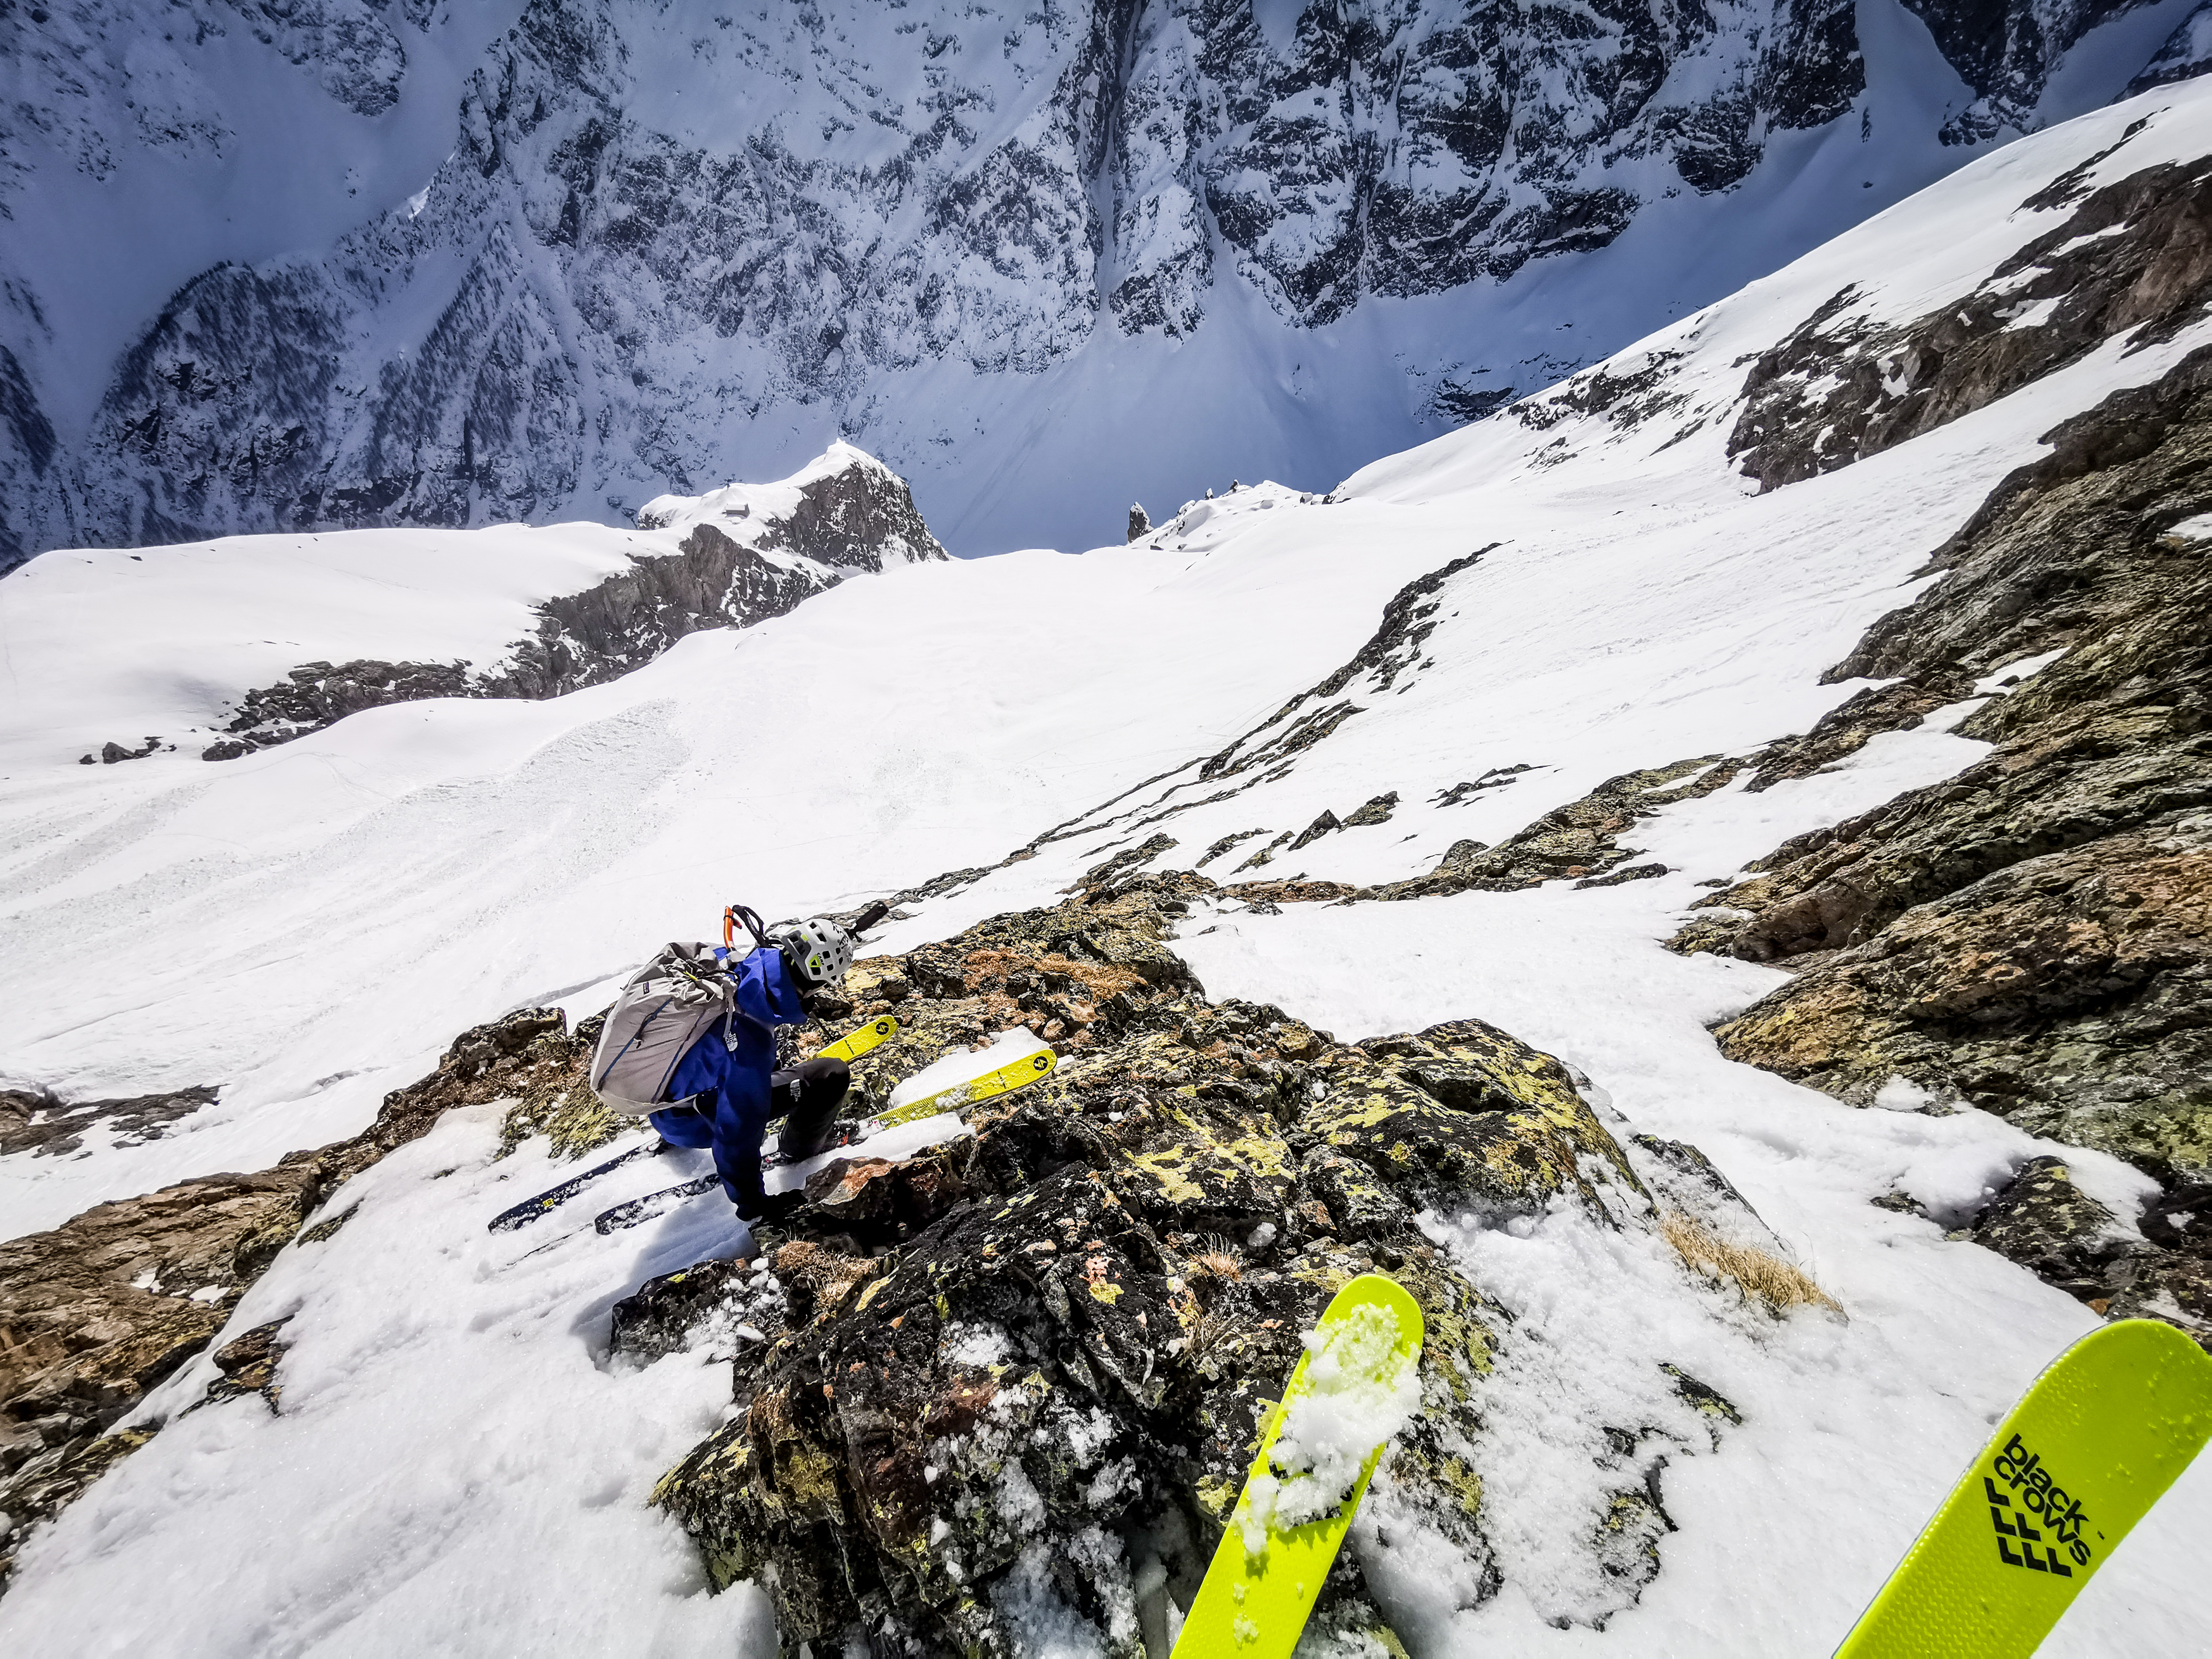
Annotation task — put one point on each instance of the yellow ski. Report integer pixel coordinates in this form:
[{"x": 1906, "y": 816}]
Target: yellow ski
[
  {"x": 850, "y": 1047},
  {"x": 1351, "y": 1392},
  {"x": 1014, "y": 1074},
  {"x": 2104, "y": 1431}
]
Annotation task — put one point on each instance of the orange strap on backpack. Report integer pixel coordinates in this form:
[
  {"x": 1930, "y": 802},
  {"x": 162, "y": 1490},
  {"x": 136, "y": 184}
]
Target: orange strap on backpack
[{"x": 736, "y": 913}]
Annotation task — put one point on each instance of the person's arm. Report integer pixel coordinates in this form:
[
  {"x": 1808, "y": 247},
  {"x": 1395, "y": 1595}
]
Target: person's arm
[{"x": 740, "y": 1125}]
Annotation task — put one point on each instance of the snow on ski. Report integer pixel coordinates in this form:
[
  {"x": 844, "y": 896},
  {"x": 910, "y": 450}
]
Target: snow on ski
[
  {"x": 1354, "y": 1389},
  {"x": 2092, "y": 1445}
]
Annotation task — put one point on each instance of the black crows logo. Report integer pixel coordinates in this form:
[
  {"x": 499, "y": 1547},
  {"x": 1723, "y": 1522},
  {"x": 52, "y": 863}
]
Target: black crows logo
[{"x": 2032, "y": 1506}]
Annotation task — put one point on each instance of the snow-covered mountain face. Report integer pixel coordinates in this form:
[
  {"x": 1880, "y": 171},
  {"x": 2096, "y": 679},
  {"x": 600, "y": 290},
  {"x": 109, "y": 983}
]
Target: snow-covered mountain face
[
  {"x": 1751, "y": 797},
  {"x": 351, "y": 264}
]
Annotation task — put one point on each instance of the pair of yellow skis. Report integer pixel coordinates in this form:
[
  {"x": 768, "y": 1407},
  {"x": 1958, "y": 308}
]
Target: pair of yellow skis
[
  {"x": 2101, "y": 1434},
  {"x": 1014, "y": 1074}
]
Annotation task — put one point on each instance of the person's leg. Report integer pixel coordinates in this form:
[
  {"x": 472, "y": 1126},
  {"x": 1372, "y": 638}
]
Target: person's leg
[
  {"x": 741, "y": 1115},
  {"x": 808, "y": 1095},
  {"x": 684, "y": 1126}
]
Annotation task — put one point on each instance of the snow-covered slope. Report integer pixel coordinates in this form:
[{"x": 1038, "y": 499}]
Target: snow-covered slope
[
  {"x": 363, "y": 265},
  {"x": 107, "y": 649},
  {"x": 103, "y": 644},
  {"x": 309, "y": 925}
]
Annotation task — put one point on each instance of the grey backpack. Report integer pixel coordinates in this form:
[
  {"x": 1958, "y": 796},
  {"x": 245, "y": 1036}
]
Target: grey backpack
[{"x": 667, "y": 1005}]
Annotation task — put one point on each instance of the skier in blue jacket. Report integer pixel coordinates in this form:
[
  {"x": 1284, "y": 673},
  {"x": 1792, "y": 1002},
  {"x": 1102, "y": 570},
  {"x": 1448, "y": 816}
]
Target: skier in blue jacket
[{"x": 726, "y": 1088}]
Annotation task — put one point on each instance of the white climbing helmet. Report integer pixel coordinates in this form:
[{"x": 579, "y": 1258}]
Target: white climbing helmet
[{"x": 818, "y": 950}]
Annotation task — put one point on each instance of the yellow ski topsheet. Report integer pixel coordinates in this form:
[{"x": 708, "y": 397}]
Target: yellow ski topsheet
[
  {"x": 1254, "y": 1606},
  {"x": 2088, "y": 1450},
  {"x": 850, "y": 1047},
  {"x": 1014, "y": 1074}
]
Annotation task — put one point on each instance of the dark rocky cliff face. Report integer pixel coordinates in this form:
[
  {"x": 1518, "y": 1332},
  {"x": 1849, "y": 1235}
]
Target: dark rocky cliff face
[{"x": 580, "y": 284}]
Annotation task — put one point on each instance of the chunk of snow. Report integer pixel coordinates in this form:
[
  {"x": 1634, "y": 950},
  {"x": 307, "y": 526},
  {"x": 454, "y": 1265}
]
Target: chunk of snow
[
  {"x": 1901, "y": 1094},
  {"x": 1358, "y": 1392}
]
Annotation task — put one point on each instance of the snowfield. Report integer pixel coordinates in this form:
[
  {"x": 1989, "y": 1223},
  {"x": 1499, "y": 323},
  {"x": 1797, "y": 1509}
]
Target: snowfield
[{"x": 458, "y": 1468}]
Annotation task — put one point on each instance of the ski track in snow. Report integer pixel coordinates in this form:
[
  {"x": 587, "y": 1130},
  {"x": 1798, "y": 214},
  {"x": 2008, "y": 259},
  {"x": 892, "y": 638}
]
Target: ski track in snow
[{"x": 458, "y": 1468}]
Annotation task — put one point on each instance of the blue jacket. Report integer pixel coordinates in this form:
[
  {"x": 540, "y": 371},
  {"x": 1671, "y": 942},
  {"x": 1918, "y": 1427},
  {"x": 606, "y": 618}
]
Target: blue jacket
[{"x": 727, "y": 1074}]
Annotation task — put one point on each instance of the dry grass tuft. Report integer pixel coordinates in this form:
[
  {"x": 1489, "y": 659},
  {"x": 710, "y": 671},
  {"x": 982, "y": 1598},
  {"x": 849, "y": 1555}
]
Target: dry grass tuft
[
  {"x": 992, "y": 966},
  {"x": 1101, "y": 980},
  {"x": 1780, "y": 1285},
  {"x": 1217, "y": 1257}
]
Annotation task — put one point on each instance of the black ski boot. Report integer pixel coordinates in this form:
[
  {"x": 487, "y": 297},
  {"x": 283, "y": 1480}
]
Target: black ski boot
[{"x": 808, "y": 1095}]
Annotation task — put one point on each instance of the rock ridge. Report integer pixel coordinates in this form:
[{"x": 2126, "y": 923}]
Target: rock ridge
[{"x": 847, "y": 519}]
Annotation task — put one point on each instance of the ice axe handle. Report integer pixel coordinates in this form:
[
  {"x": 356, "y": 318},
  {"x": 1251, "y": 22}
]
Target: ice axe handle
[{"x": 869, "y": 917}]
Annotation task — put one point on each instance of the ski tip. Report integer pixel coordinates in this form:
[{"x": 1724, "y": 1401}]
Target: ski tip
[
  {"x": 1381, "y": 1291},
  {"x": 2078, "y": 1460},
  {"x": 2149, "y": 1339}
]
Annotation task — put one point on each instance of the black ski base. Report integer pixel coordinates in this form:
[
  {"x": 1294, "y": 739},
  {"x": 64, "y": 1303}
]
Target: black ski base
[
  {"x": 641, "y": 1210},
  {"x": 522, "y": 1214}
]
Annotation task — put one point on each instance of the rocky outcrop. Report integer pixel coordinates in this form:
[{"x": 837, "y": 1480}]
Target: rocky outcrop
[
  {"x": 36, "y": 1122},
  {"x": 847, "y": 514},
  {"x": 2029, "y": 937},
  {"x": 97, "y": 1312},
  {"x": 1025, "y": 1368},
  {"x": 94, "y": 1313},
  {"x": 2064, "y": 992},
  {"x": 2045, "y": 1222},
  {"x": 2134, "y": 258},
  {"x": 320, "y": 694},
  {"x": 2048, "y": 1226},
  {"x": 1579, "y": 841}
]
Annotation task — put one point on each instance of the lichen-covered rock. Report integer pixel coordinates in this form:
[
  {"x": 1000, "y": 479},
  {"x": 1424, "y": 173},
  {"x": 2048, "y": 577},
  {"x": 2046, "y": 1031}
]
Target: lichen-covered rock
[
  {"x": 248, "y": 1365},
  {"x": 1378, "y": 810},
  {"x": 1030, "y": 1366},
  {"x": 1464, "y": 1115},
  {"x": 2066, "y": 993},
  {"x": 2051, "y": 1227}
]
